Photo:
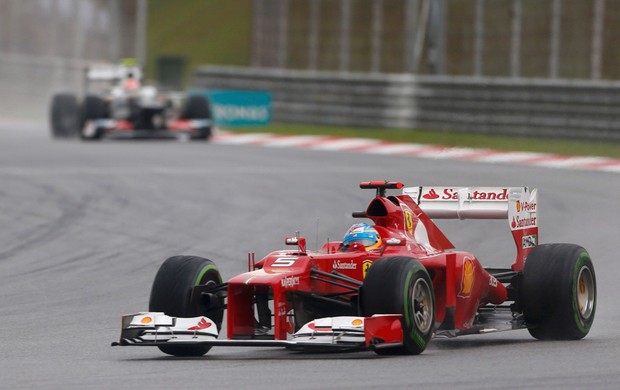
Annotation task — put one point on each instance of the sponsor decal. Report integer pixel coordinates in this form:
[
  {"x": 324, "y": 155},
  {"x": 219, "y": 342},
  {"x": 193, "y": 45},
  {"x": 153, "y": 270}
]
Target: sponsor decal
[
  {"x": 408, "y": 222},
  {"x": 526, "y": 207},
  {"x": 490, "y": 195},
  {"x": 431, "y": 195},
  {"x": 529, "y": 241},
  {"x": 345, "y": 265},
  {"x": 290, "y": 281},
  {"x": 289, "y": 316},
  {"x": 290, "y": 321},
  {"x": 520, "y": 223},
  {"x": 467, "y": 280},
  {"x": 365, "y": 265},
  {"x": 357, "y": 322},
  {"x": 147, "y": 320},
  {"x": 493, "y": 281},
  {"x": 319, "y": 328},
  {"x": 203, "y": 324},
  {"x": 452, "y": 194}
]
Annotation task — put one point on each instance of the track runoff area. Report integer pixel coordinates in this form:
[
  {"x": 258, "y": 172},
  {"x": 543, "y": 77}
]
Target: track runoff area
[{"x": 378, "y": 147}]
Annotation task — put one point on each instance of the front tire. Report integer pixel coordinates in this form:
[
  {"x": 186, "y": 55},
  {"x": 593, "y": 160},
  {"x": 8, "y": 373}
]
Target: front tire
[
  {"x": 171, "y": 294},
  {"x": 558, "y": 292},
  {"x": 64, "y": 115},
  {"x": 94, "y": 108},
  {"x": 401, "y": 285},
  {"x": 197, "y": 107}
]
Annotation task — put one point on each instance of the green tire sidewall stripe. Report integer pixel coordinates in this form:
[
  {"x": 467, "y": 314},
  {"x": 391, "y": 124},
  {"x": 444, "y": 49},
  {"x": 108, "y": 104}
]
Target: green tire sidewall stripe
[
  {"x": 204, "y": 270},
  {"x": 418, "y": 340},
  {"x": 407, "y": 303},
  {"x": 413, "y": 334},
  {"x": 584, "y": 326}
]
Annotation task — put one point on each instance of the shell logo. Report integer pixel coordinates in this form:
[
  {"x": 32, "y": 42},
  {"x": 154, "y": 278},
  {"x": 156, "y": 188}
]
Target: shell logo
[
  {"x": 357, "y": 322},
  {"x": 468, "y": 278},
  {"x": 146, "y": 320},
  {"x": 518, "y": 207}
]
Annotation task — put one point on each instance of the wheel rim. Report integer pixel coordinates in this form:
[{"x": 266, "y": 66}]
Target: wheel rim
[
  {"x": 422, "y": 305},
  {"x": 585, "y": 292}
]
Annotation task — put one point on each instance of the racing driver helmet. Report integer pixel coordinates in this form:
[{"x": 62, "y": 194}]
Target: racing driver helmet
[{"x": 364, "y": 234}]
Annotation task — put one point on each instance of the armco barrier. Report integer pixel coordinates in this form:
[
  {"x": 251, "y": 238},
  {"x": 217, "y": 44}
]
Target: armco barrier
[{"x": 527, "y": 107}]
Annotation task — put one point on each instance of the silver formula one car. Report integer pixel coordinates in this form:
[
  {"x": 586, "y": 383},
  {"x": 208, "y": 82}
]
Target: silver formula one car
[{"x": 116, "y": 103}]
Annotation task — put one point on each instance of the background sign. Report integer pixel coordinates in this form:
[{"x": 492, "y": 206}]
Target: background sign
[{"x": 239, "y": 108}]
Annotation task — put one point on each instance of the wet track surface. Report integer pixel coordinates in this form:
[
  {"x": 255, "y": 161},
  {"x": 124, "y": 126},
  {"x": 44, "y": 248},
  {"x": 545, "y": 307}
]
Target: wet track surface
[{"x": 85, "y": 226}]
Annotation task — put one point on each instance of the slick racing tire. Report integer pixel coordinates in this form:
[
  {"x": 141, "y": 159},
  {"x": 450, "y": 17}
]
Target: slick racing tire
[
  {"x": 64, "y": 115},
  {"x": 401, "y": 285},
  {"x": 558, "y": 292},
  {"x": 171, "y": 294},
  {"x": 94, "y": 108},
  {"x": 197, "y": 107}
]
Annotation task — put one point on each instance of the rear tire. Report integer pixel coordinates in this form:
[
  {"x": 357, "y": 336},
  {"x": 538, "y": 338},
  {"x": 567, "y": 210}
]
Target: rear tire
[
  {"x": 171, "y": 294},
  {"x": 64, "y": 115},
  {"x": 197, "y": 107},
  {"x": 558, "y": 292},
  {"x": 401, "y": 285}
]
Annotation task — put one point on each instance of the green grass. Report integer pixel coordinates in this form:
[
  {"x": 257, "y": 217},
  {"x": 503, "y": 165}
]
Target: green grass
[
  {"x": 566, "y": 147},
  {"x": 202, "y": 31}
]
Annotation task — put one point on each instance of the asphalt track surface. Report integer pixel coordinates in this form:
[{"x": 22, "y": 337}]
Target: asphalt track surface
[{"x": 85, "y": 226}]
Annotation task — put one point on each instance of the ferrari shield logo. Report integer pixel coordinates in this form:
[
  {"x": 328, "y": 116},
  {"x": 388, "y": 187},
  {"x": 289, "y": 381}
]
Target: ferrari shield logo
[
  {"x": 408, "y": 222},
  {"x": 365, "y": 265}
]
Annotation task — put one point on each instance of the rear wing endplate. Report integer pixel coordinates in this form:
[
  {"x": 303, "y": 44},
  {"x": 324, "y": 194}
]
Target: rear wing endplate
[{"x": 519, "y": 205}]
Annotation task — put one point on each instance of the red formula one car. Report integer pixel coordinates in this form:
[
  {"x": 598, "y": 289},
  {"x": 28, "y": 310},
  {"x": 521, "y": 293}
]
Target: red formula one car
[{"x": 390, "y": 286}]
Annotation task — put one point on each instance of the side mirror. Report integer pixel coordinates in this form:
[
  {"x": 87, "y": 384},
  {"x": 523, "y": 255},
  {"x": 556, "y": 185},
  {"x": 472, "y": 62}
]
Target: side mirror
[{"x": 296, "y": 240}]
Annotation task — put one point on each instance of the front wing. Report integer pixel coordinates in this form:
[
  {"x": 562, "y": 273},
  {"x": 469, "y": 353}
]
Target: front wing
[
  {"x": 333, "y": 333},
  {"x": 125, "y": 126}
]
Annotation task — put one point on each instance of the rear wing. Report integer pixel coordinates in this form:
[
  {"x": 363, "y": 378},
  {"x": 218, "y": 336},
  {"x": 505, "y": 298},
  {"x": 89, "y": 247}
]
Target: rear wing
[
  {"x": 112, "y": 72},
  {"x": 516, "y": 204}
]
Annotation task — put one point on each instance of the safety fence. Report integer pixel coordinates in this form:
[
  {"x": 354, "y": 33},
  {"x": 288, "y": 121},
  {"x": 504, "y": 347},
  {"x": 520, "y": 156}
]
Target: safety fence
[
  {"x": 528, "y": 107},
  {"x": 574, "y": 39}
]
